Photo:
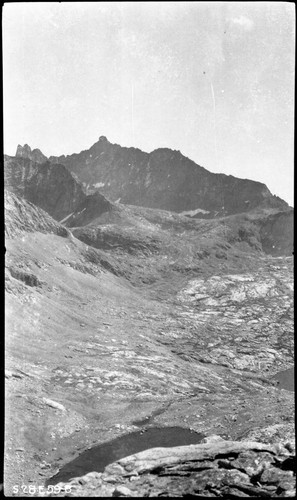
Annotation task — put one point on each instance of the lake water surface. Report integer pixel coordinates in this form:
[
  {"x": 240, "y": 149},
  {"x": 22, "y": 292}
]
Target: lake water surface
[
  {"x": 285, "y": 379},
  {"x": 98, "y": 457}
]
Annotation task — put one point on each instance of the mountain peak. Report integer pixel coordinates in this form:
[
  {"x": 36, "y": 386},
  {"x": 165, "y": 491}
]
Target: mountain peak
[
  {"x": 23, "y": 151},
  {"x": 26, "y": 152},
  {"x": 102, "y": 138}
]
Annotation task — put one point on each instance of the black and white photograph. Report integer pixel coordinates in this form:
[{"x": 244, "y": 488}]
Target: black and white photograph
[{"x": 148, "y": 209}]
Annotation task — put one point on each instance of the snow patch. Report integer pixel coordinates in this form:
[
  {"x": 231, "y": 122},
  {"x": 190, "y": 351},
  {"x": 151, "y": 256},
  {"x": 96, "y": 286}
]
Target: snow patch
[
  {"x": 78, "y": 213},
  {"x": 66, "y": 218},
  {"x": 148, "y": 180},
  {"x": 194, "y": 212},
  {"x": 99, "y": 185}
]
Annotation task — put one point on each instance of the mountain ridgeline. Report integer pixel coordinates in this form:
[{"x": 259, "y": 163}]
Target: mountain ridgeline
[
  {"x": 116, "y": 197},
  {"x": 163, "y": 179}
]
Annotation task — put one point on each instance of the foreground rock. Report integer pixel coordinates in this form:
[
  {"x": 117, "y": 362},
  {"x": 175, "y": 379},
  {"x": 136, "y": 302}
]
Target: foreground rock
[{"x": 214, "y": 468}]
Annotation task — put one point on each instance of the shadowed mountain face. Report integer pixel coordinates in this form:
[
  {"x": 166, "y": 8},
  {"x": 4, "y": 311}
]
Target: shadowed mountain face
[
  {"x": 277, "y": 233},
  {"x": 50, "y": 187},
  {"x": 162, "y": 179}
]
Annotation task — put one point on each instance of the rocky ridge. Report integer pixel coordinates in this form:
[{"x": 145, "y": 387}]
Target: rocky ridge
[
  {"x": 22, "y": 216},
  {"x": 163, "y": 179}
]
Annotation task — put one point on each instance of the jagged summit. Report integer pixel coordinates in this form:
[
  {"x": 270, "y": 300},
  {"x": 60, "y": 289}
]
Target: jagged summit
[
  {"x": 23, "y": 151},
  {"x": 26, "y": 152}
]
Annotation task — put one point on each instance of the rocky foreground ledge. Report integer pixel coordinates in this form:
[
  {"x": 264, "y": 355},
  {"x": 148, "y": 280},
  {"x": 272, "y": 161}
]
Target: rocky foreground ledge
[{"x": 213, "y": 468}]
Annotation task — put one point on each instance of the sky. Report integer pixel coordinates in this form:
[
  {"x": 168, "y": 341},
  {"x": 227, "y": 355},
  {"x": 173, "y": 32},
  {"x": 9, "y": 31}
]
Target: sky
[{"x": 214, "y": 80}]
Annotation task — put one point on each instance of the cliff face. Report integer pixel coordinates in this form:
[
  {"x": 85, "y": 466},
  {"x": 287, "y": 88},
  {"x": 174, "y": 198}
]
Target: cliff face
[
  {"x": 164, "y": 179},
  {"x": 49, "y": 186}
]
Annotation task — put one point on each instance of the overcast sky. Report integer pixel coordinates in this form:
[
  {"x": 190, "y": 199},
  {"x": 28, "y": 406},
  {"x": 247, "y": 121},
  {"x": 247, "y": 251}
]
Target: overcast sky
[{"x": 213, "y": 80}]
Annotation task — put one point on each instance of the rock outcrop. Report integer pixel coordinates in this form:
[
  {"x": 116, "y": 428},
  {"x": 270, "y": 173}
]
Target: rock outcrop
[{"x": 215, "y": 468}]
